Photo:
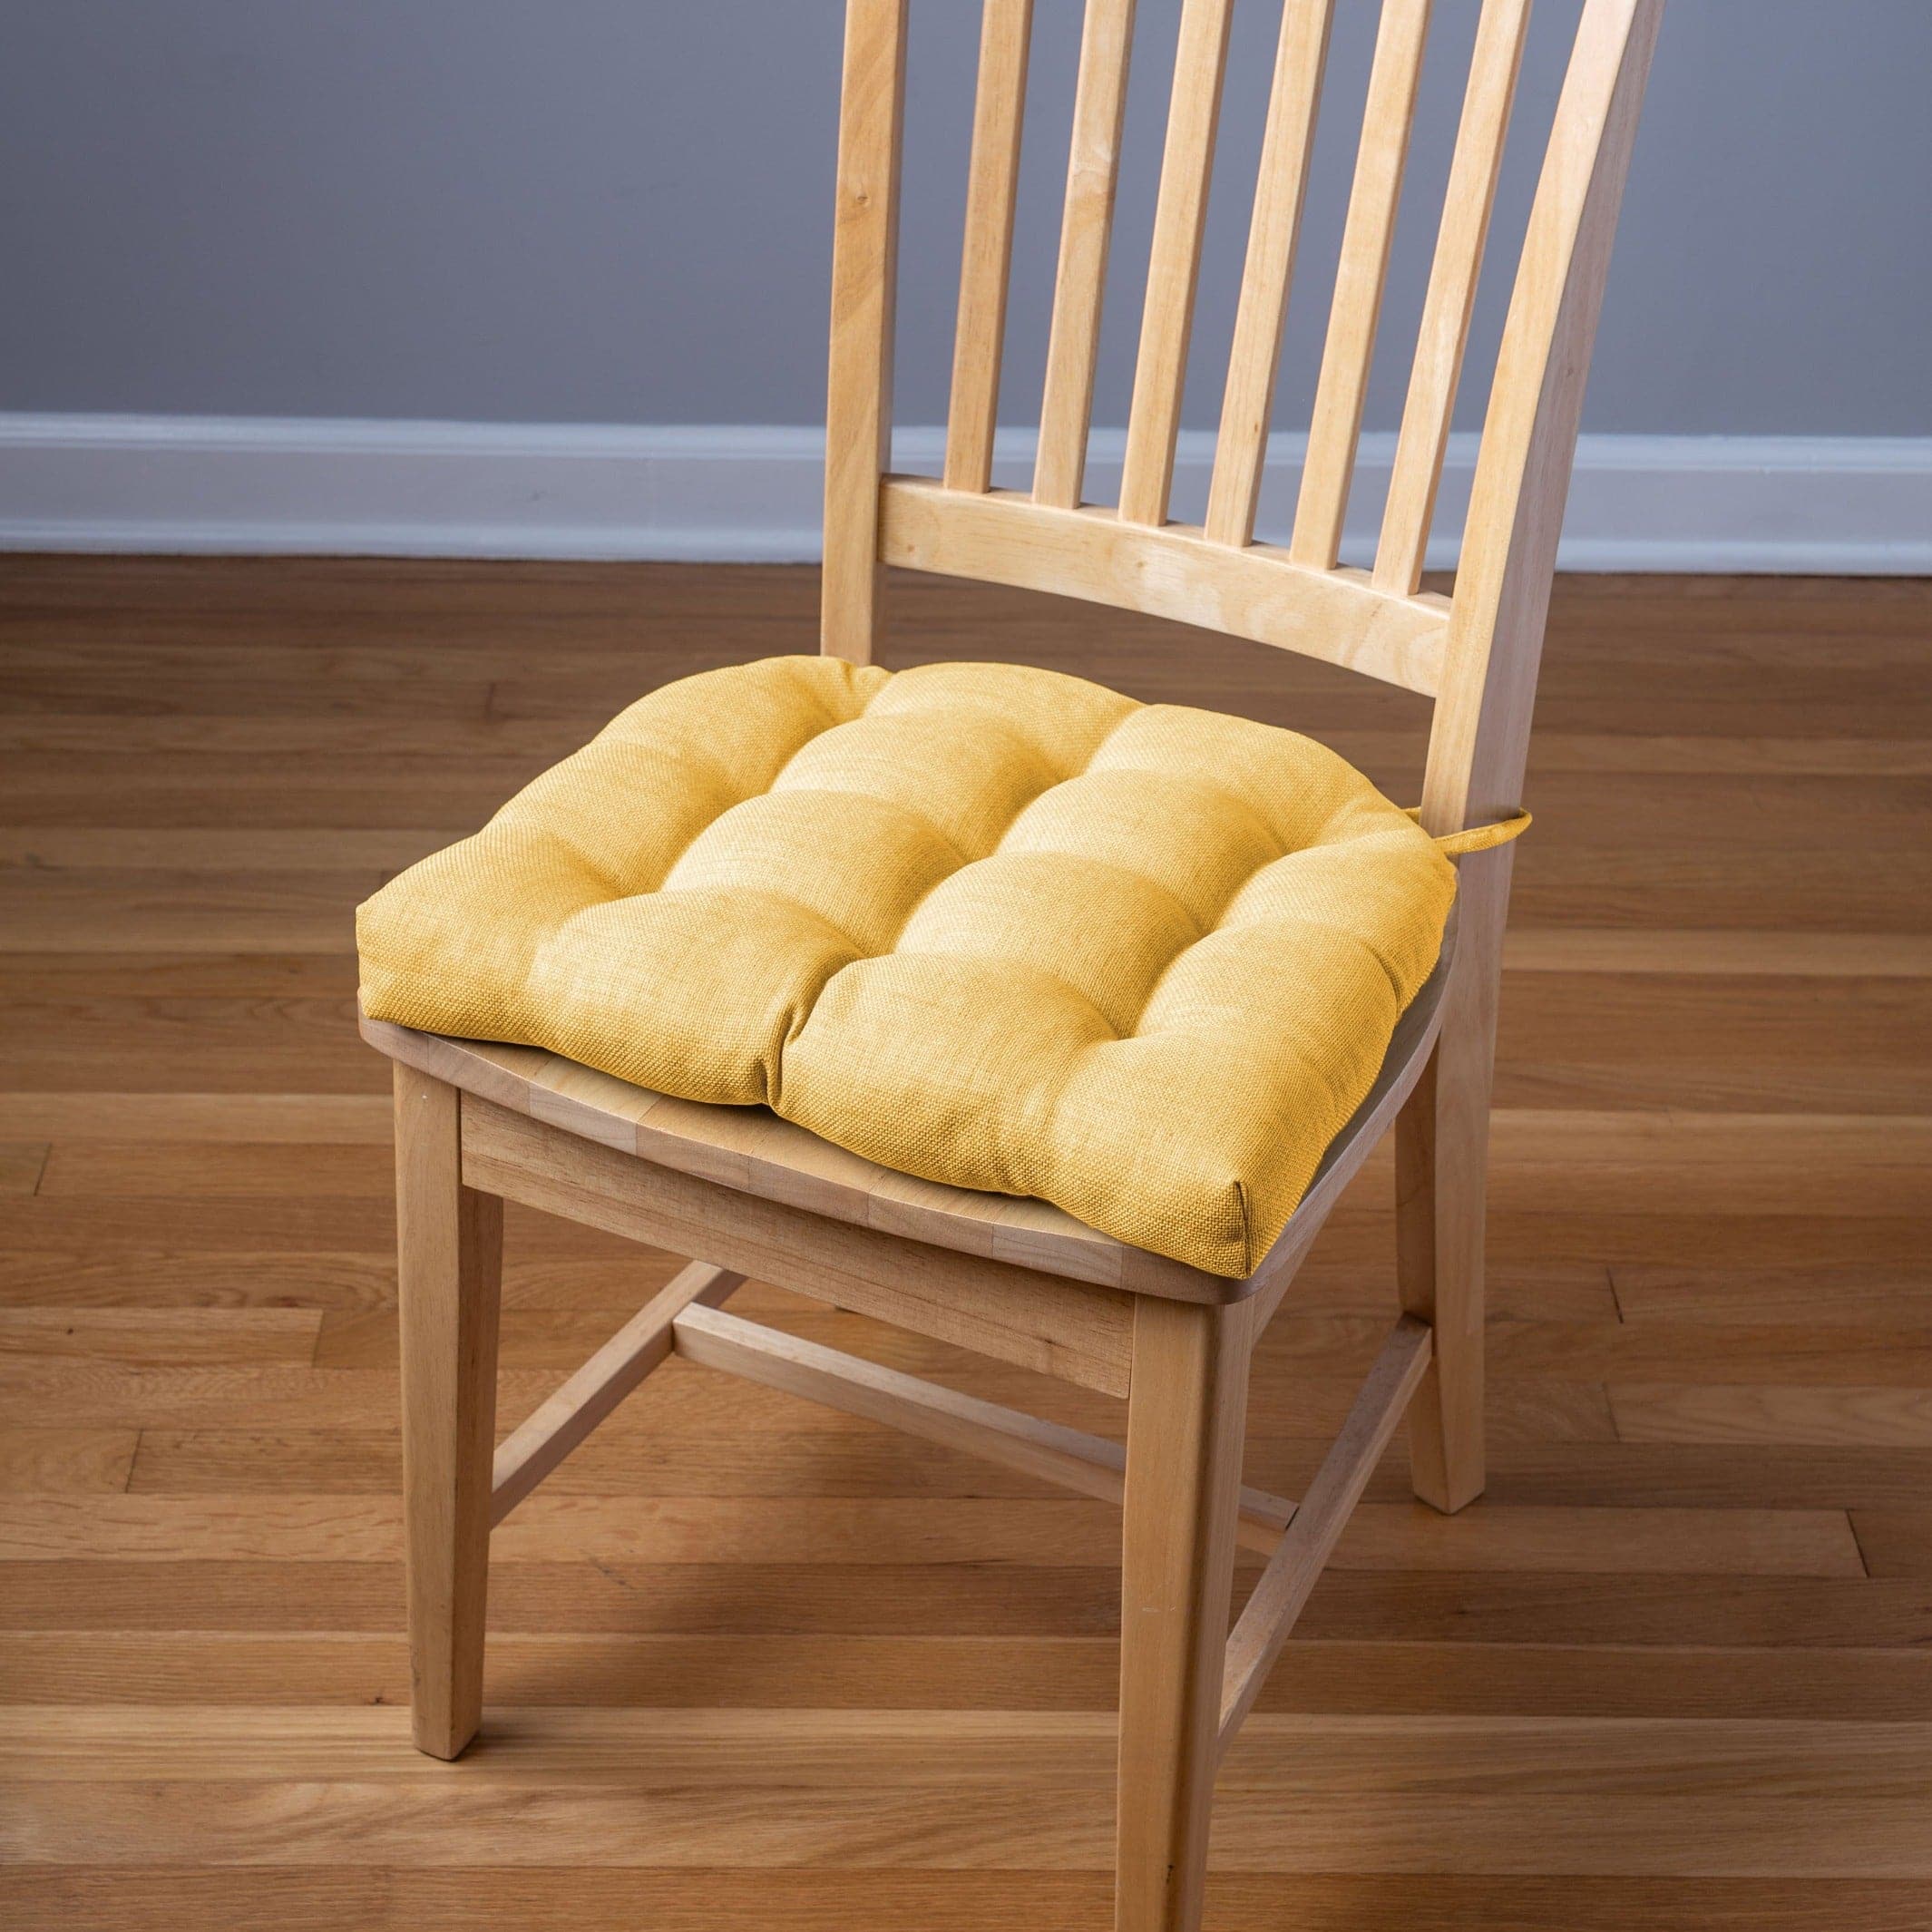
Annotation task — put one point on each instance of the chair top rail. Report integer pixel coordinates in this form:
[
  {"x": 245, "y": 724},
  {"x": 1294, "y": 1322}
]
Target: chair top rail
[{"x": 1173, "y": 570}]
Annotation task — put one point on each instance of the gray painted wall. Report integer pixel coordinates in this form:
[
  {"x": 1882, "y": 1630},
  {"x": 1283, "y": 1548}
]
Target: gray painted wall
[{"x": 616, "y": 211}]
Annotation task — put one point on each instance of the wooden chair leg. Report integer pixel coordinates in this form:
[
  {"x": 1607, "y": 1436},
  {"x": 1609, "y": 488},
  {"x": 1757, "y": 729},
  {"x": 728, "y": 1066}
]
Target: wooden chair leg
[
  {"x": 1441, "y": 1170},
  {"x": 1187, "y": 1408},
  {"x": 449, "y": 1252}
]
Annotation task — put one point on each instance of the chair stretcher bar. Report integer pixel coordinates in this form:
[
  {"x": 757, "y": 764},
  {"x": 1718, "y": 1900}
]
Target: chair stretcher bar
[
  {"x": 558, "y": 1424},
  {"x": 1092, "y": 1465},
  {"x": 1310, "y": 1540}
]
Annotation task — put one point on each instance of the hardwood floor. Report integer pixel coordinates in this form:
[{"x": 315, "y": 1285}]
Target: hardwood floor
[{"x": 754, "y": 1665}]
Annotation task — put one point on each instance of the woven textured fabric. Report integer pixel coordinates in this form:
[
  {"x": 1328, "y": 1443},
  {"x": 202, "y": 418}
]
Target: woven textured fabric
[{"x": 984, "y": 924}]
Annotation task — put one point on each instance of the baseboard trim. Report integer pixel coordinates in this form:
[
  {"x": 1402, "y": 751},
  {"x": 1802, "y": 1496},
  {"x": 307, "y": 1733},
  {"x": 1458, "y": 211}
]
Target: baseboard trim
[{"x": 711, "y": 493}]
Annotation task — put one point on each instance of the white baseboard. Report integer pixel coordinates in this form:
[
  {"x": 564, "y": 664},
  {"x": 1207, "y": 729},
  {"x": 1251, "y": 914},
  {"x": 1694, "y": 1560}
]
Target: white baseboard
[{"x": 1828, "y": 504}]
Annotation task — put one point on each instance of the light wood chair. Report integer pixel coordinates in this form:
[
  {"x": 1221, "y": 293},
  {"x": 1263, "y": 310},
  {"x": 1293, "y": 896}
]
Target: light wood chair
[{"x": 1018, "y": 1281}]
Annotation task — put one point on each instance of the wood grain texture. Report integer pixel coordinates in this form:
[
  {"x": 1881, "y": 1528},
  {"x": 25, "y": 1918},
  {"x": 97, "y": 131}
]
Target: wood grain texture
[
  {"x": 1443, "y": 335},
  {"x": 1174, "y": 571},
  {"x": 1647, "y": 1681},
  {"x": 450, "y": 1257},
  {"x": 930, "y": 1791},
  {"x": 539, "y": 1444},
  {"x": 1187, "y": 1416},
  {"x": 992, "y": 190},
  {"x": 1441, "y": 1163},
  {"x": 865, "y": 288},
  {"x": 568, "y": 1897},
  {"x": 1174, "y": 263},
  {"x": 1368, "y": 238},
  {"x": 1274, "y": 226},
  {"x": 1086, "y": 224}
]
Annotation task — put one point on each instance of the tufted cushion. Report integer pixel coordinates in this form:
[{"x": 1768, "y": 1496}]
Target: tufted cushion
[{"x": 984, "y": 924}]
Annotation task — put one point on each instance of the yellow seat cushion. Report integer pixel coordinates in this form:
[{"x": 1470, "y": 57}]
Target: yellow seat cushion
[{"x": 984, "y": 924}]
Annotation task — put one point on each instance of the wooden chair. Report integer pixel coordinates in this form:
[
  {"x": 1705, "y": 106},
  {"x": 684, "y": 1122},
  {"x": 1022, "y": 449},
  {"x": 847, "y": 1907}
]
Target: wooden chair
[{"x": 1018, "y": 1280}]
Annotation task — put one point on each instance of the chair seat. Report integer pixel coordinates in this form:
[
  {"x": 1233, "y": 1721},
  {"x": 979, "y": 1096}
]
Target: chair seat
[{"x": 988, "y": 926}]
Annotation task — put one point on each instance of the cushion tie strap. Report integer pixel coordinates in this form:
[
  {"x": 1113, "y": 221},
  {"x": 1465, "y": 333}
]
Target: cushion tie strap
[{"x": 1477, "y": 838}]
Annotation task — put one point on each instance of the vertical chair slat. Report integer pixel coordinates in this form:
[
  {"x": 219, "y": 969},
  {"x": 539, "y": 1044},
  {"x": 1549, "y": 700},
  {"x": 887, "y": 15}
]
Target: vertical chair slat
[
  {"x": 1241, "y": 450},
  {"x": 859, "y": 387},
  {"x": 1446, "y": 310},
  {"x": 992, "y": 190},
  {"x": 1160, "y": 372},
  {"x": 1335, "y": 426},
  {"x": 1086, "y": 228}
]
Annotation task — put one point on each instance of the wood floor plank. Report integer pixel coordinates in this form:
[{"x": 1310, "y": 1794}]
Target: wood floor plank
[
  {"x": 1345, "y": 1278},
  {"x": 656, "y": 1749},
  {"x": 307, "y": 1528},
  {"x": 1876, "y": 1296},
  {"x": 54, "y": 1460},
  {"x": 1895, "y": 1542},
  {"x": 251, "y": 1397},
  {"x": 569, "y": 1898},
  {"x": 181, "y": 1120},
  {"x": 161, "y": 1334},
  {"x": 172, "y": 1594},
  {"x": 223, "y": 1169},
  {"x": 1531, "y": 948},
  {"x": 1875, "y": 1417},
  {"x": 966, "y": 1790},
  {"x": 1007, "y": 1673},
  {"x": 663, "y": 1458}
]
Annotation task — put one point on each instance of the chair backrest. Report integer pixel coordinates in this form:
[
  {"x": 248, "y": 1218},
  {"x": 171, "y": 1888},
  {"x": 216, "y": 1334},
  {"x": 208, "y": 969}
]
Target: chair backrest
[{"x": 1476, "y": 652}]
